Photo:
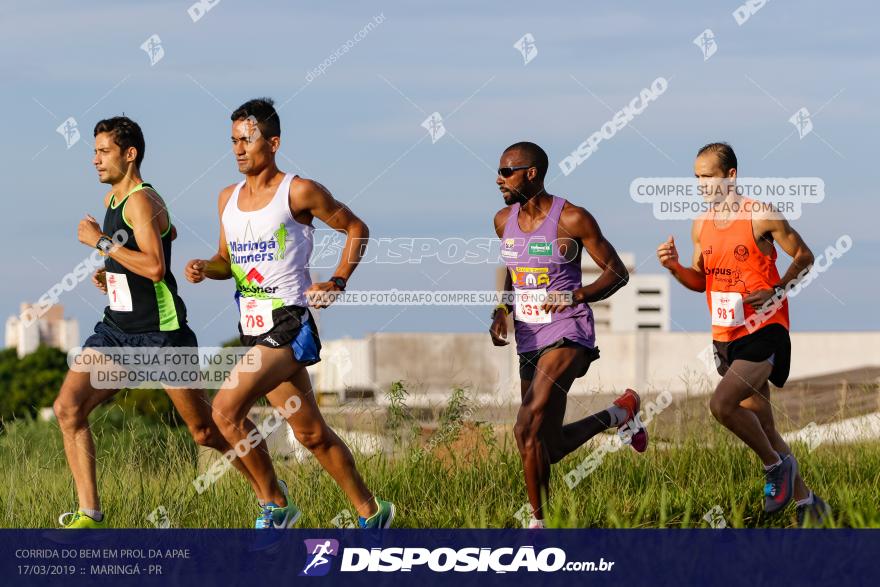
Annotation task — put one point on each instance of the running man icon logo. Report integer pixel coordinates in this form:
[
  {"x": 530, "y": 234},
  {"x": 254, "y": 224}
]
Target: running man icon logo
[
  {"x": 706, "y": 42},
  {"x": 327, "y": 249},
  {"x": 317, "y": 553},
  {"x": 69, "y": 131},
  {"x": 526, "y": 46},
  {"x": 802, "y": 122},
  {"x": 154, "y": 49},
  {"x": 434, "y": 125}
]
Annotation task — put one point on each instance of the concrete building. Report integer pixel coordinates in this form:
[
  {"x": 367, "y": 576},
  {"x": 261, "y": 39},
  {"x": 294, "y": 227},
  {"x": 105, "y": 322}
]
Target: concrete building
[
  {"x": 642, "y": 305},
  {"x": 50, "y": 329}
]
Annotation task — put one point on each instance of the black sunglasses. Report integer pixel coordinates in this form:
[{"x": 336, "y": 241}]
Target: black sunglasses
[{"x": 508, "y": 171}]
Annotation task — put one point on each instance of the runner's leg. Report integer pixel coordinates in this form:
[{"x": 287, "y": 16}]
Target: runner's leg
[
  {"x": 312, "y": 431},
  {"x": 743, "y": 379},
  {"x": 74, "y": 403},
  {"x": 538, "y": 428},
  {"x": 195, "y": 409},
  {"x": 232, "y": 404},
  {"x": 759, "y": 403}
]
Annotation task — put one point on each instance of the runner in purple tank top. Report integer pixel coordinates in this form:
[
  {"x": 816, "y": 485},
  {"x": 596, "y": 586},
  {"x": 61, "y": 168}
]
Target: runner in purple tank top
[{"x": 542, "y": 239}]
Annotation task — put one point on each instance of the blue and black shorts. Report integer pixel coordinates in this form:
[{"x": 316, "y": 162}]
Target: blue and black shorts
[{"x": 293, "y": 326}]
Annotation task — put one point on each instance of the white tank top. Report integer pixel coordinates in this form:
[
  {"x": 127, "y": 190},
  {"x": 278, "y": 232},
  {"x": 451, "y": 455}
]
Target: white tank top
[{"x": 269, "y": 250}]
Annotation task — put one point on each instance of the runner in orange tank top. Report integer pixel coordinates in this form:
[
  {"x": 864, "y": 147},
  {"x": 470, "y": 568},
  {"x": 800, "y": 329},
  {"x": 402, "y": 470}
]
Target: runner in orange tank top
[{"x": 734, "y": 262}]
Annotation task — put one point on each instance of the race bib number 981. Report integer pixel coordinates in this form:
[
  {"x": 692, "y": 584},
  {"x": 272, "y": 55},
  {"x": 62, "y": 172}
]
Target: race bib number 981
[{"x": 727, "y": 309}]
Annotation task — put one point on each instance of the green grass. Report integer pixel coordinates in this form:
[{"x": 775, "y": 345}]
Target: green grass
[{"x": 469, "y": 476}]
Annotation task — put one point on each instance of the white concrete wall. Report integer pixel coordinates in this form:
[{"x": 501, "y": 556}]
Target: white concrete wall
[{"x": 432, "y": 364}]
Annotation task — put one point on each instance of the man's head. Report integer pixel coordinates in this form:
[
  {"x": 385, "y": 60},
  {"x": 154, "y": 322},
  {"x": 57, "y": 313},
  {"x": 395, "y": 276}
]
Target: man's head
[
  {"x": 119, "y": 148},
  {"x": 715, "y": 168},
  {"x": 256, "y": 135},
  {"x": 521, "y": 172}
]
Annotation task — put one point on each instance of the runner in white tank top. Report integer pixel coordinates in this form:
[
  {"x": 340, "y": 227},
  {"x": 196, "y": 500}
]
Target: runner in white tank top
[
  {"x": 265, "y": 244},
  {"x": 268, "y": 250}
]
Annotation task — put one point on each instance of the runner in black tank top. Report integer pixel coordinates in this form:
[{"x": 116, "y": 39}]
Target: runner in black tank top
[
  {"x": 137, "y": 304},
  {"x": 144, "y": 313}
]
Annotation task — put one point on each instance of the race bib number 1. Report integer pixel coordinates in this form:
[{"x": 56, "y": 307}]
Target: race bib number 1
[
  {"x": 727, "y": 309},
  {"x": 256, "y": 316},
  {"x": 118, "y": 292},
  {"x": 528, "y": 306}
]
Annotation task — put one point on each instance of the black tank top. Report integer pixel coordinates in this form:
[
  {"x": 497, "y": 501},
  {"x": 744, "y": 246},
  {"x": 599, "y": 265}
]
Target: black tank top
[{"x": 136, "y": 303}]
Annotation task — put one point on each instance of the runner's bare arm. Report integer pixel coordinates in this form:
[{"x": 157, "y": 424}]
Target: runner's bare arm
[
  {"x": 311, "y": 196},
  {"x": 693, "y": 277},
  {"x": 580, "y": 224},
  {"x": 498, "y": 328},
  {"x": 790, "y": 242},
  {"x": 142, "y": 213},
  {"x": 794, "y": 246},
  {"x": 218, "y": 266}
]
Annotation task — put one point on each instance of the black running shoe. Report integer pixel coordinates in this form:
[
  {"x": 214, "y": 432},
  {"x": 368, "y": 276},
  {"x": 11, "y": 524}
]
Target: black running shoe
[{"x": 813, "y": 515}]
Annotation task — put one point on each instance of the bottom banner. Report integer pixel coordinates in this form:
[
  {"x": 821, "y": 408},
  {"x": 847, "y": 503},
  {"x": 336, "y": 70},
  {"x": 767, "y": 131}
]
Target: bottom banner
[{"x": 440, "y": 557}]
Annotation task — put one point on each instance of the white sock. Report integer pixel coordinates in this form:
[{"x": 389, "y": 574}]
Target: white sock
[
  {"x": 776, "y": 464},
  {"x": 536, "y": 523},
  {"x": 807, "y": 500},
  {"x": 618, "y": 415},
  {"x": 96, "y": 515}
]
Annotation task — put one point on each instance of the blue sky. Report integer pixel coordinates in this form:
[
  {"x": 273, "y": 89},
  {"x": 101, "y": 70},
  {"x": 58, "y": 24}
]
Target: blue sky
[{"x": 356, "y": 128}]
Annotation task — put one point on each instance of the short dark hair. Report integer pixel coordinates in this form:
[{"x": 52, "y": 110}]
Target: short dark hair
[
  {"x": 724, "y": 152},
  {"x": 537, "y": 155},
  {"x": 126, "y": 133},
  {"x": 263, "y": 110}
]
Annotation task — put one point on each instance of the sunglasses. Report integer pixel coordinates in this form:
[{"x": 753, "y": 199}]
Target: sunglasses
[{"x": 508, "y": 171}]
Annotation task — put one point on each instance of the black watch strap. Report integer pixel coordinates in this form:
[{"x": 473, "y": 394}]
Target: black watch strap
[{"x": 339, "y": 281}]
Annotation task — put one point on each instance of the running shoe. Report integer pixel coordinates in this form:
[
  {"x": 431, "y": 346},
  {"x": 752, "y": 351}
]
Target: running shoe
[
  {"x": 779, "y": 488},
  {"x": 632, "y": 431},
  {"x": 381, "y": 519}
]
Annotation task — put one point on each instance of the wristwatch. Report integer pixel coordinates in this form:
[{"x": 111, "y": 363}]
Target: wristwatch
[
  {"x": 104, "y": 245},
  {"x": 339, "y": 281}
]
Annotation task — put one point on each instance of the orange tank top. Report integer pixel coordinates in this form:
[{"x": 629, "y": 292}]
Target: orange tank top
[{"x": 736, "y": 267}]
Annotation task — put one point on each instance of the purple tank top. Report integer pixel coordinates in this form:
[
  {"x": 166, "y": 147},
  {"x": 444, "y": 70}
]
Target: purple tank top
[{"x": 536, "y": 266}]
